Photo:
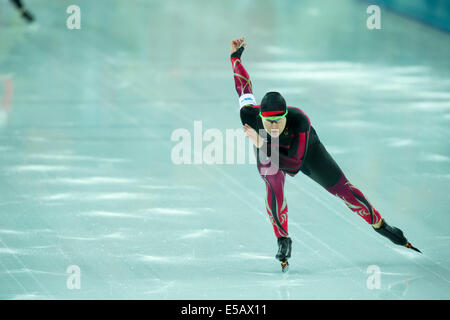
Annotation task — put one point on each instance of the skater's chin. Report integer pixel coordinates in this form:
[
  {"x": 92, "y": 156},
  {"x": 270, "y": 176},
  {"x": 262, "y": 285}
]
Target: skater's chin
[{"x": 274, "y": 133}]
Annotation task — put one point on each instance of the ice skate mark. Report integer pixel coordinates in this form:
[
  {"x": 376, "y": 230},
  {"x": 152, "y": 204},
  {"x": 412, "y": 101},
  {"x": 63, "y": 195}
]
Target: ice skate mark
[
  {"x": 12, "y": 232},
  {"x": 399, "y": 142},
  {"x": 90, "y": 181},
  {"x": 38, "y": 168},
  {"x": 73, "y": 157},
  {"x": 251, "y": 256},
  {"x": 402, "y": 286},
  {"x": 169, "y": 211},
  {"x": 149, "y": 258},
  {"x": 7, "y": 251},
  {"x": 409, "y": 254},
  {"x": 166, "y": 259},
  {"x": 15, "y": 256},
  {"x": 34, "y": 271},
  {"x": 30, "y": 296},
  {"x": 95, "y": 196},
  {"x": 79, "y": 238},
  {"x": 165, "y": 187},
  {"x": 433, "y": 106},
  {"x": 436, "y": 157},
  {"x": 118, "y": 196},
  {"x": 357, "y": 124},
  {"x": 115, "y": 235},
  {"x": 201, "y": 234},
  {"x": 58, "y": 196},
  {"x": 108, "y": 214},
  {"x": 162, "y": 287}
]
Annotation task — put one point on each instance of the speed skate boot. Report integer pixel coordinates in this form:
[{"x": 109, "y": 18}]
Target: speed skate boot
[
  {"x": 27, "y": 16},
  {"x": 395, "y": 235},
  {"x": 284, "y": 252}
]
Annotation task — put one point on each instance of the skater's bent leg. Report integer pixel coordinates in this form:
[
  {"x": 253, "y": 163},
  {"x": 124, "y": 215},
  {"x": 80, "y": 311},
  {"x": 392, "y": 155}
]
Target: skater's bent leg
[{"x": 276, "y": 205}]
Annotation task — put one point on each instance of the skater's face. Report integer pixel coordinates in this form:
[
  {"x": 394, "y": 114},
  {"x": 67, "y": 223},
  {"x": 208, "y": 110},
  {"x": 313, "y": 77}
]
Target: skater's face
[{"x": 274, "y": 128}]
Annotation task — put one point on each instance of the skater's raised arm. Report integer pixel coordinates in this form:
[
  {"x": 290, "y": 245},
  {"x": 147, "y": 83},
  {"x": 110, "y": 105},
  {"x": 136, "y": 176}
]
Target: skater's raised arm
[
  {"x": 244, "y": 89},
  {"x": 241, "y": 77}
]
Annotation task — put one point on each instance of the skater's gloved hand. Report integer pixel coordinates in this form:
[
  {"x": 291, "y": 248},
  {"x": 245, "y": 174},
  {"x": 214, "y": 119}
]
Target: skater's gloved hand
[
  {"x": 238, "y": 44},
  {"x": 253, "y": 136}
]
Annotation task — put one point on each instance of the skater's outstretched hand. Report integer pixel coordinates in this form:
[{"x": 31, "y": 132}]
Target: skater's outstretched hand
[
  {"x": 236, "y": 44},
  {"x": 253, "y": 136}
]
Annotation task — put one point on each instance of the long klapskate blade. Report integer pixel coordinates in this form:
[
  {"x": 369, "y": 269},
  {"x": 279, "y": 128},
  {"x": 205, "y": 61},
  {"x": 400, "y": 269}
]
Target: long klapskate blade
[
  {"x": 416, "y": 249},
  {"x": 408, "y": 245}
]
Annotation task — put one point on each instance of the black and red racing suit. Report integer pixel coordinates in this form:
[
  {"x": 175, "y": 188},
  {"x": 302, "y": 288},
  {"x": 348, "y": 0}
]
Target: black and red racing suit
[{"x": 298, "y": 148}]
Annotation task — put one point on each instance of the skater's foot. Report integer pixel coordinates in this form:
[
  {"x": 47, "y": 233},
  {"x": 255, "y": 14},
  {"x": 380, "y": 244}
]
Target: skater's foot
[
  {"x": 394, "y": 234},
  {"x": 284, "y": 248},
  {"x": 27, "y": 15},
  {"x": 284, "y": 266}
]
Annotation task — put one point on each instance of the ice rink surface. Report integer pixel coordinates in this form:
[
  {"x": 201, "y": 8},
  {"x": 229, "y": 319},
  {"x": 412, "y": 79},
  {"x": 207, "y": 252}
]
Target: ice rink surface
[{"x": 87, "y": 178}]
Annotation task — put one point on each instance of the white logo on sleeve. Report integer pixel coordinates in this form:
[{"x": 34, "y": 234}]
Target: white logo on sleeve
[{"x": 247, "y": 99}]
